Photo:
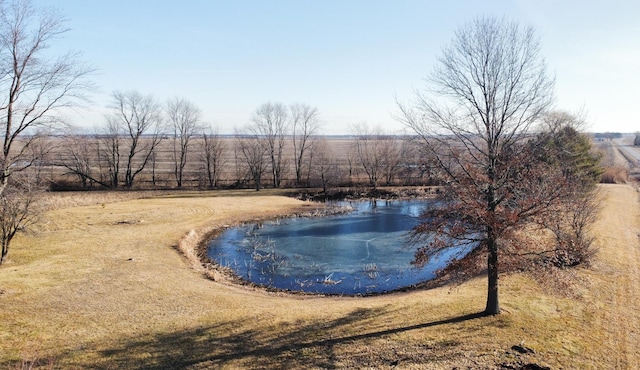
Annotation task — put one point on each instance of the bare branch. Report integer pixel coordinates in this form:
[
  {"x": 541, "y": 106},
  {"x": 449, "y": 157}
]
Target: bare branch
[{"x": 184, "y": 118}]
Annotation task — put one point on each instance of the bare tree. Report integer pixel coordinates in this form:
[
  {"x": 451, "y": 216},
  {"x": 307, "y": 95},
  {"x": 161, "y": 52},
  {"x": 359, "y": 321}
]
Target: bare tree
[
  {"x": 305, "y": 123},
  {"x": 391, "y": 149},
  {"x": 184, "y": 118},
  {"x": 17, "y": 212},
  {"x": 39, "y": 152},
  {"x": 76, "y": 156},
  {"x": 242, "y": 175},
  {"x": 413, "y": 168},
  {"x": 376, "y": 152},
  {"x": 108, "y": 148},
  {"x": 252, "y": 153},
  {"x": 154, "y": 166},
  {"x": 491, "y": 85},
  {"x": 212, "y": 149},
  {"x": 35, "y": 85},
  {"x": 352, "y": 165},
  {"x": 325, "y": 164},
  {"x": 136, "y": 118},
  {"x": 270, "y": 127}
]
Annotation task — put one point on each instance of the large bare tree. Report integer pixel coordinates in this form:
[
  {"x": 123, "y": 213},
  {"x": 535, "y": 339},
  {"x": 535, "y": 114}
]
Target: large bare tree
[
  {"x": 305, "y": 122},
  {"x": 136, "y": 120},
  {"x": 184, "y": 118},
  {"x": 34, "y": 85},
  {"x": 488, "y": 89},
  {"x": 270, "y": 125}
]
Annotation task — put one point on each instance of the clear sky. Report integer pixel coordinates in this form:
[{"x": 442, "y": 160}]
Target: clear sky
[{"x": 350, "y": 59}]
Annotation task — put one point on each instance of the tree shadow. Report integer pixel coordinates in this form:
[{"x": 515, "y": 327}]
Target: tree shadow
[{"x": 238, "y": 343}]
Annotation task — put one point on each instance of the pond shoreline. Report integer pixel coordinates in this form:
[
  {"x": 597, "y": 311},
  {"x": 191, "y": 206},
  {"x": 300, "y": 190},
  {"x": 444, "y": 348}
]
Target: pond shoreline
[
  {"x": 355, "y": 194},
  {"x": 195, "y": 244}
]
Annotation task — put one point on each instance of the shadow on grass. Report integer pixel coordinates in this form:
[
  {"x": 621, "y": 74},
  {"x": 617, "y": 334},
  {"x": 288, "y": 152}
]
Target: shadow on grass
[{"x": 239, "y": 344}]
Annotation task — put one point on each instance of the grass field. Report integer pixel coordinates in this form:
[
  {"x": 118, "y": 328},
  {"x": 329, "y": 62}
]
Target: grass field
[{"x": 99, "y": 283}]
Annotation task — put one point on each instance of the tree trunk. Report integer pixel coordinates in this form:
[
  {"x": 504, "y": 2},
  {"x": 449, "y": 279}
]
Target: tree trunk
[
  {"x": 258, "y": 180},
  {"x": 493, "y": 306},
  {"x": 4, "y": 180},
  {"x": 5, "y": 250}
]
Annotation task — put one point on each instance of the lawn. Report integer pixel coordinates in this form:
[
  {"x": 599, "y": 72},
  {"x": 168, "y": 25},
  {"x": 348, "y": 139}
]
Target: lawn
[{"x": 99, "y": 282}]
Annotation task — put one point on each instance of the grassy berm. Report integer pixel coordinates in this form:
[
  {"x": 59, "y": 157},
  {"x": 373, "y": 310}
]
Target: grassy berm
[{"x": 99, "y": 283}]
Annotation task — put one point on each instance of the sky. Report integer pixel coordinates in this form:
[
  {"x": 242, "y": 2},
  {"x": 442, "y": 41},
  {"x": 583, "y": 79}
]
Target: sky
[{"x": 352, "y": 59}]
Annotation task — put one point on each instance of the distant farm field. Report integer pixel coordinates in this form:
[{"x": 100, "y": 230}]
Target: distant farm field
[
  {"x": 65, "y": 158},
  {"x": 99, "y": 283}
]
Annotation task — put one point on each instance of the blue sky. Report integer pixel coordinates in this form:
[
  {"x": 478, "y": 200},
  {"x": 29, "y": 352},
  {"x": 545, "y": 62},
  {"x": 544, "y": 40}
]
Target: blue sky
[{"x": 350, "y": 59}]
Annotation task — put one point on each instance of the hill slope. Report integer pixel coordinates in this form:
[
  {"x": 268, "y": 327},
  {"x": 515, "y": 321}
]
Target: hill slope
[{"x": 102, "y": 286}]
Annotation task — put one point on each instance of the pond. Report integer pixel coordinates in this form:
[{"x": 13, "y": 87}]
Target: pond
[{"x": 359, "y": 253}]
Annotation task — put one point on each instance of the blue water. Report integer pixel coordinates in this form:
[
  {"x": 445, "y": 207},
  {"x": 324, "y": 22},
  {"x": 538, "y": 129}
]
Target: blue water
[{"x": 362, "y": 252}]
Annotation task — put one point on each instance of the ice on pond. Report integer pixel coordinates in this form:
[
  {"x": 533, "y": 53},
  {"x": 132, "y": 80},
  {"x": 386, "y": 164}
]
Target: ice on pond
[{"x": 365, "y": 251}]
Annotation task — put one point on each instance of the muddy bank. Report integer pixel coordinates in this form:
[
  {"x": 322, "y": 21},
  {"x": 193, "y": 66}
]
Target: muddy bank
[{"x": 366, "y": 193}]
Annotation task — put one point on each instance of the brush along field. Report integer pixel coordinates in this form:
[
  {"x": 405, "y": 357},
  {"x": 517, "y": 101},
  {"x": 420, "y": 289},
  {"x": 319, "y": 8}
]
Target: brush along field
[{"x": 101, "y": 284}]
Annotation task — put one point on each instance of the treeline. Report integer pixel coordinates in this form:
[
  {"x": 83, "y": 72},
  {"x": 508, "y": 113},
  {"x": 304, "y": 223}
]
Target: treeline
[
  {"x": 84, "y": 162},
  {"x": 279, "y": 148},
  {"x": 607, "y": 135},
  {"x": 144, "y": 144}
]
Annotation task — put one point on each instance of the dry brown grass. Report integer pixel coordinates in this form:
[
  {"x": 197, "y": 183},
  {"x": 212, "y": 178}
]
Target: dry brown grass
[
  {"x": 616, "y": 166},
  {"x": 615, "y": 175},
  {"x": 102, "y": 286}
]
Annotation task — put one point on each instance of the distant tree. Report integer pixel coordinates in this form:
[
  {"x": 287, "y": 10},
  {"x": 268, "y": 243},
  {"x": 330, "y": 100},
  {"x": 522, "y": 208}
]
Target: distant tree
[
  {"x": 35, "y": 83},
  {"x": 42, "y": 145},
  {"x": 77, "y": 157},
  {"x": 416, "y": 165},
  {"x": 153, "y": 159},
  {"x": 568, "y": 152},
  {"x": 184, "y": 118},
  {"x": 352, "y": 164},
  {"x": 137, "y": 121},
  {"x": 561, "y": 144},
  {"x": 391, "y": 148},
  {"x": 491, "y": 86},
  {"x": 377, "y": 153},
  {"x": 608, "y": 135},
  {"x": 325, "y": 164},
  {"x": 241, "y": 173},
  {"x": 108, "y": 148},
  {"x": 269, "y": 127},
  {"x": 305, "y": 123},
  {"x": 636, "y": 140},
  {"x": 252, "y": 153},
  {"x": 212, "y": 149}
]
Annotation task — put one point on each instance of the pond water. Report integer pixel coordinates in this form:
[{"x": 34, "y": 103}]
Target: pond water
[{"x": 361, "y": 252}]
